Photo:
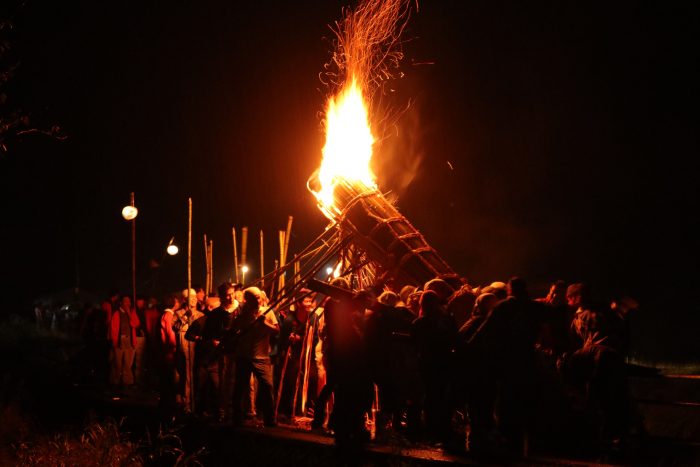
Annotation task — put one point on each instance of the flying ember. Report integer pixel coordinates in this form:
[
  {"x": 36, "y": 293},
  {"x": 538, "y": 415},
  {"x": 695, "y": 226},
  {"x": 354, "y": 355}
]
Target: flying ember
[{"x": 366, "y": 53}]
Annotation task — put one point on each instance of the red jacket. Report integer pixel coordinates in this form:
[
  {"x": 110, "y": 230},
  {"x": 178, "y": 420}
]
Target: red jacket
[
  {"x": 114, "y": 326},
  {"x": 167, "y": 335}
]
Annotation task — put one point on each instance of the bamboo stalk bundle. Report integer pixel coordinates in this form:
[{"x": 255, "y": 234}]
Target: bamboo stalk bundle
[
  {"x": 235, "y": 254},
  {"x": 206, "y": 265},
  {"x": 262, "y": 260},
  {"x": 282, "y": 240},
  {"x": 211, "y": 267},
  {"x": 189, "y": 248},
  {"x": 244, "y": 245}
]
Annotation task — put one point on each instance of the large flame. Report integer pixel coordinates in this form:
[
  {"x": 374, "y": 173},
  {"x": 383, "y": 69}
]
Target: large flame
[
  {"x": 366, "y": 53},
  {"x": 348, "y": 149}
]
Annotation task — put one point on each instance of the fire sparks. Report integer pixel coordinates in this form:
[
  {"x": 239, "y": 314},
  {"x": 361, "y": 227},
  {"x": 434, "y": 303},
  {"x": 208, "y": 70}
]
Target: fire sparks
[{"x": 366, "y": 53}]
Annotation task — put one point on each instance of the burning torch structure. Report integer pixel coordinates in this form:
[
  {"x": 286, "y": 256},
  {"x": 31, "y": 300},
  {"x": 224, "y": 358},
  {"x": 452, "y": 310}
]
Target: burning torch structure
[{"x": 367, "y": 239}]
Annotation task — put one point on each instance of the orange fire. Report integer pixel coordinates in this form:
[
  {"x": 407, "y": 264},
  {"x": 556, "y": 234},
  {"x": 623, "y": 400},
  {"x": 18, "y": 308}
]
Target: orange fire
[
  {"x": 367, "y": 52},
  {"x": 348, "y": 148}
]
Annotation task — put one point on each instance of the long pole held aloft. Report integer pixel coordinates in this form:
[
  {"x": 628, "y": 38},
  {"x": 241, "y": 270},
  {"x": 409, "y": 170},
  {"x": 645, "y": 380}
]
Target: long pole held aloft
[
  {"x": 206, "y": 263},
  {"x": 262, "y": 261},
  {"x": 235, "y": 254},
  {"x": 133, "y": 254},
  {"x": 189, "y": 250},
  {"x": 211, "y": 267},
  {"x": 244, "y": 247},
  {"x": 287, "y": 235},
  {"x": 280, "y": 280}
]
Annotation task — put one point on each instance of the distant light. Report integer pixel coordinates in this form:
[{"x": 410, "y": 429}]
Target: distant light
[
  {"x": 172, "y": 250},
  {"x": 130, "y": 212},
  {"x": 329, "y": 270},
  {"x": 244, "y": 268}
]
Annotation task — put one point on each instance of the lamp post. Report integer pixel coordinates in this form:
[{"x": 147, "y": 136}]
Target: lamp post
[{"x": 129, "y": 213}]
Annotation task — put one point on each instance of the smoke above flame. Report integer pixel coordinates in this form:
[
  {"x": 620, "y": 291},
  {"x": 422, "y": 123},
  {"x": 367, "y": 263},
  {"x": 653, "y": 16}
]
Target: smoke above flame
[{"x": 366, "y": 55}]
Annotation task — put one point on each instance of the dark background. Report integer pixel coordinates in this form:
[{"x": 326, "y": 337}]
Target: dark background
[{"x": 552, "y": 140}]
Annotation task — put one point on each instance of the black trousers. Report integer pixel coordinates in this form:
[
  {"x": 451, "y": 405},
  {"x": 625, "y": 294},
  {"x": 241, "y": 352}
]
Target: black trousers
[{"x": 261, "y": 368}]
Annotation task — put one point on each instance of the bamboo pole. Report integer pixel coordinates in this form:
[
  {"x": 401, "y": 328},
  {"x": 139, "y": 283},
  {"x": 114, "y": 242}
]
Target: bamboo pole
[
  {"x": 262, "y": 261},
  {"x": 235, "y": 253},
  {"x": 189, "y": 250},
  {"x": 206, "y": 266},
  {"x": 133, "y": 254},
  {"x": 307, "y": 351},
  {"x": 280, "y": 280},
  {"x": 309, "y": 251},
  {"x": 280, "y": 385},
  {"x": 287, "y": 235},
  {"x": 244, "y": 246},
  {"x": 211, "y": 266},
  {"x": 299, "y": 376},
  {"x": 296, "y": 272},
  {"x": 275, "y": 282}
]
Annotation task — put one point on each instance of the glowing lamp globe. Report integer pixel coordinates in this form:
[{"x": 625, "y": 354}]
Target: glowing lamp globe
[
  {"x": 244, "y": 269},
  {"x": 172, "y": 250},
  {"x": 329, "y": 270},
  {"x": 130, "y": 212}
]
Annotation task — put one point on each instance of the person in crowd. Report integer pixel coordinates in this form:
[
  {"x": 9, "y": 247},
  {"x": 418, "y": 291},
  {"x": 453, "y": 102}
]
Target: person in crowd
[
  {"x": 152, "y": 318},
  {"x": 348, "y": 371},
  {"x": 253, "y": 328},
  {"x": 434, "y": 334},
  {"x": 122, "y": 334},
  {"x": 387, "y": 333},
  {"x": 201, "y": 299},
  {"x": 227, "y": 293},
  {"x": 168, "y": 375},
  {"x": 213, "y": 302},
  {"x": 239, "y": 292},
  {"x": 94, "y": 332},
  {"x": 324, "y": 395},
  {"x": 516, "y": 322},
  {"x": 476, "y": 378},
  {"x": 207, "y": 332},
  {"x": 293, "y": 332},
  {"x": 405, "y": 292},
  {"x": 140, "y": 350},
  {"x": 596, "y": 370},
  {"x": 413, "y": 302},
  {"x": 441, "y": 288},
  {"x": 554, "y": 334},
  {"x": 591, "y": 320},
  {"x": 623, "y": 309},
  {"x": 460, "y": 304},
  {"x": 498, "y": 288},
  {"x": 185, "y": 316},
  {"x": 114, "y": 299}
]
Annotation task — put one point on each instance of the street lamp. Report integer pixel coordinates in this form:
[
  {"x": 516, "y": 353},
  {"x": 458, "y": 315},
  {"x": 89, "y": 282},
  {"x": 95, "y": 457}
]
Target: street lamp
[
  {"x": 172, "y": 249},
  {"x": 129, "y": 213},
  {"x": 244, "y": 269}
]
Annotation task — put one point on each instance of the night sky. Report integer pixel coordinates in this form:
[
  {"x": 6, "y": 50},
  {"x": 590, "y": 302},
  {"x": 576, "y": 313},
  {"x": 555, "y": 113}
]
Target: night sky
[{"x": 552, "y": 140}]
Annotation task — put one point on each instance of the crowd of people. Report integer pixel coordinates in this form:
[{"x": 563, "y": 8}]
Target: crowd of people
[{"x": 489, "y": 369}]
